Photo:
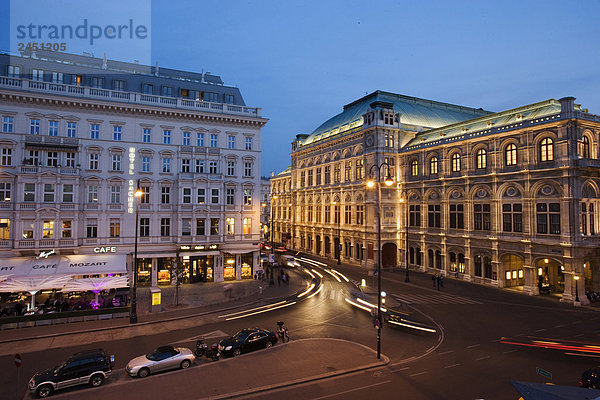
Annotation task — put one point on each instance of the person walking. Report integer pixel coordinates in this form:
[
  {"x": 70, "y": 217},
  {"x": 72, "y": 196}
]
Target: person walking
[
  {"x": 433, "y": 278},
  {"x": 442, "y": 280},
  {"x": 437, "y": 281}
]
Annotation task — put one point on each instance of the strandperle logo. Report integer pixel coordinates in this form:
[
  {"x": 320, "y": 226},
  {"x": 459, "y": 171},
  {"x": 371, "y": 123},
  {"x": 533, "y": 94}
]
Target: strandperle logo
[{"x": 85, "y": 30}]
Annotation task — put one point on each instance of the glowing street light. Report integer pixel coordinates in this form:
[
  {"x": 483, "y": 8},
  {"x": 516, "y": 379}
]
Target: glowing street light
[{"x": 133, "y": 313}]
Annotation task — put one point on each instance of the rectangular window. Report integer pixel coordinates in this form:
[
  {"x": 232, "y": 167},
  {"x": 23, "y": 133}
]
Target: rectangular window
[
  {"x": 57, "y": 77},
  {"x": 231, "y": 142},
  {"x": 248, "y": 169},
  {"x": 213, "y": 140},
  {"x": 92, "y": 194},
  {"x": 116, "y": 162},
  {"x": 52, "y": 159},
  {"x": 117, "y": 133},
  {"x": 482, "y": 217},
  {"x": 147, "y": 88},
  {"x": 5, "y": 191},
  {"x": 359, "y": 170},
  {"x": 214, "y": 197},
  {"x": 201, "y": 196},
  {"x": 348, "y": 171},
  {"x": 310, "y": 178},
  {"x": 186, "y": 138},
  {"x": 166, "y": 165},
  {"x": 200, "y": 227},
  {"x": 165, "y": 227},
  {"x": 8, "y": 124},
  {"x": 94, "y": 161},
  {"x": 230, "y": 168},
  {"x": 230, "y": 222},
  {"x": 146, "y": 135},
  {"x": 327, "y": 174},
  {"x": 67, "y": 193},
  {"x": 212, "y": 97},
  {"x": 327, "y": 214},
  {"x": 434, "y": 216},
  {"x": 34, "y": 158},
  {"x": 199, "y": 166},
  {"x": 115, "y": 227},
  {"x": 145, "y": 197},
  {"x": 512, "y": 218},
  {"x": 6, "y": 156},
  {"x": 187, "y": 195},
  {"x": 186, "y": 227},
  {"x": 248, "y": 197},
  {"x": 230, "y": 197},
  {"x": 34, "y": 126},
  {"x": 92, "y": 228},
  {"x": 118, "y": 85},
  {"x": 27, "y": 229},
  {"x": 548, "y": 218},
  {"x": 200, "y": 139},
  {"x": 67, "y": 229},
  {"x": 185, "y": 165},
  {"x": 457, "y": 217},
  {"x": 415, "y": 215},
  {"x": 347, "y": 214},
  {"x": 14, "y": 71},
  {"x": 229, "y": 99},
  {"x": 212, "y": 167},
  {"x": 144, "y": 227},
  {"x": 214, "y": 226},
  {"x": 29, "y": 192},
  {"x": 318, "y": 177},
  {"x": 167, "y": 91},
  {"x": 337, "y": 172},
  {"x": 37, "y": 75},
  {"x": 115, "y": 194},
  {"x": 52, "y": 128},
  {"x": 49, "y": 193},
  {"x": 248, "y": 143},
  {"x": 70, "y": 160},
  {"x": 145, "y": 164},
  {"x": 165, "y": 195},
  {"x": 247, "y": 226},
  {"x": 72, "y": 129},
  {"x": 166, "y": 136},
  {"x": 94, "y": 131},
  {"x": 48, "y": 229},
  {"x": 76, "y": 80},
  {"x": 96, "y": 82}
]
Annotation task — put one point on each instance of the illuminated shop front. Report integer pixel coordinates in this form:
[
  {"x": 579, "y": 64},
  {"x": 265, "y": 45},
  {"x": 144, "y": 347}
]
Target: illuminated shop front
[
  {"x": 247, "y": 270},
  {"x": 200, "y": 268},
  {"x": 144, "y": 277},
  {"x": 164, "y": 271},
  {"x": 229, "y": 267}
]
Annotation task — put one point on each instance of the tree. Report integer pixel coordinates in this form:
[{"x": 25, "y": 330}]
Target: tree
[{"x": 177, "y": 270}]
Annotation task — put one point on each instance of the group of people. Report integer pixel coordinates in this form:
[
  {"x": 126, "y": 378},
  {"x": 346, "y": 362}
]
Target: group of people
[
  {"x": 437, "y": 280},
  {"x": 58, "y": 303},
  {"x": 282, "y": 276}
]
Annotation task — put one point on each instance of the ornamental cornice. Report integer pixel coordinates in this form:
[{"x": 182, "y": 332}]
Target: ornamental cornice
[{"x": 94, "y": 105}]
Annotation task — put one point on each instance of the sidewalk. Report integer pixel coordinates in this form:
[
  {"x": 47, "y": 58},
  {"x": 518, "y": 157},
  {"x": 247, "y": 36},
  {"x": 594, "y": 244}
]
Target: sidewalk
[
  {"x": 197, "y": 301},
  {"x": 298, "y": 361}
]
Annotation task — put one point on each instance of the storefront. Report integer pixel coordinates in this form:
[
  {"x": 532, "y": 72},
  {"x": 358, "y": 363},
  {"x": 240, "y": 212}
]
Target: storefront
[
  {"x": 144, "y": 276},
  {"x": 247, "y": 262},
  {"x": 200, "y": 268},
  {"x": 229, "y": 267}
]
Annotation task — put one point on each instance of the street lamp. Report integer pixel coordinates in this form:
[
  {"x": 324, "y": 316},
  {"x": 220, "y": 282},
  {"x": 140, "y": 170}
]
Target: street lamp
[
  {"x": 133, "y": 314},
  {"x": 274, "y": 197},
  {"x": 339, "y": 222},
  {"x": 370, "y": 183},
  {"x": 406, "y": 278},
  {"x": 576, "y": 277}
]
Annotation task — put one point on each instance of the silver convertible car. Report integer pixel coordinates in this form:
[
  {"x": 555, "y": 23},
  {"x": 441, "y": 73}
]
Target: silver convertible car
[{"x": 161, "y": 359}]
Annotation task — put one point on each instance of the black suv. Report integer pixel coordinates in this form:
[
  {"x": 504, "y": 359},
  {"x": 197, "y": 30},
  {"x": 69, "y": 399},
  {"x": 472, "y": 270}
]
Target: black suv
[{"x": 89, "y": 367}]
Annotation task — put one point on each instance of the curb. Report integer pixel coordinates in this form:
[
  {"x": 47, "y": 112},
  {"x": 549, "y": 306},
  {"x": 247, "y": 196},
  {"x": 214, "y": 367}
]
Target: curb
[{"x": 314, "y": 378}]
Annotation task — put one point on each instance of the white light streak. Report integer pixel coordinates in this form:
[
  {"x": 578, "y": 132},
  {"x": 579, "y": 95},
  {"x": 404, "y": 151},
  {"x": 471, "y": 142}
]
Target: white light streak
[
  {"x": 318, "y": 273},
  {"x": 342, "y": 275},
  {"x": 357, "y": 305},
  {"x": 412, "y": 326},
  {"x": 317, "y": 292},
  {"x": 253, "y": 309},
  {"x": 334, "y": 275},
  {"x": 310, "y": 287},
  {"x": 261, "y": 311}
]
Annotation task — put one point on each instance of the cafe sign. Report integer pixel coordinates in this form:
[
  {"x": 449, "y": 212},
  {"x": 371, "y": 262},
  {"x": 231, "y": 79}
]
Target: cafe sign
[
  {"x": 200, "y": 247},
  {"x": 105, "y": 249}
]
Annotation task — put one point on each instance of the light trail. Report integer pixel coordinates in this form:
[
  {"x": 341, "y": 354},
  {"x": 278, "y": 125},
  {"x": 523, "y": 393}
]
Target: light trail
[
  {"x": 253, "y": 309},
  {"x": 310, "y": 287},
  {"x": 420, "y": 328},
  {"x": 261, "y": 311},
  {"x": 317, "y": 292},
  {"x": 370, "y": 304},
  {"x": 357, "y": 305},
  {"x": 334, "y": 275},
  {"x": 342, "y": 275},
  {"x": 318, "y": 273}
]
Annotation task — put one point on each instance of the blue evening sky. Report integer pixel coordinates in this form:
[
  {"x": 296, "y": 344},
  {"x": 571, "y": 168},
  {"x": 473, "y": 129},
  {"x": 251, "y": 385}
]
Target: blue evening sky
[{"x": 301, "y": 61}]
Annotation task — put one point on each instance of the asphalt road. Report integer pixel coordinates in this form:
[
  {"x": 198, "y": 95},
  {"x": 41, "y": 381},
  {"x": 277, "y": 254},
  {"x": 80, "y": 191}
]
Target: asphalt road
[{"x": 463, "y": 360}]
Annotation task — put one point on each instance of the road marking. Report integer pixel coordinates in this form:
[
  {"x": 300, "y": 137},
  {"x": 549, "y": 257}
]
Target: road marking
[
  {"x": 510, "y": 351},
  {"x": 402, "y": 369},
  {"x": 473, "y": 346},
  {"x": 352, "y": 390},
  {"x": 541, "y": 330},
  {"x": 581, "y": 334},
  {"x": 560, "y": 326},
  {"x": 446, "y": 352},
  {"x": 419, "y": 373},
  {"x": 519, "y": 334},
  {"x": 482, "y": 358},
  {"x": 436, "y": 298},
  {"x": 452, "y": 366}
]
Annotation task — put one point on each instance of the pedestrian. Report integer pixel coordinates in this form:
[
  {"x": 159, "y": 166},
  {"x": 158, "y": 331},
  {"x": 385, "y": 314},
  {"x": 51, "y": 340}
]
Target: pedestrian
[
  {"x": 433, "y": 278},
  {"x": 437, "y": 281},
  {"x": 442, "y": 280}
]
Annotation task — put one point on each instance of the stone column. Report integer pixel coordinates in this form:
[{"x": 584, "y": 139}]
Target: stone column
[{"x": 531, "y": 280}]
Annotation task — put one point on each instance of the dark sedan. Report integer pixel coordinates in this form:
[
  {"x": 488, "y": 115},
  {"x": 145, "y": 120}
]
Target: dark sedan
[
  {"x": 591, "y": 378},
  {"x": 247, "y": 340}
]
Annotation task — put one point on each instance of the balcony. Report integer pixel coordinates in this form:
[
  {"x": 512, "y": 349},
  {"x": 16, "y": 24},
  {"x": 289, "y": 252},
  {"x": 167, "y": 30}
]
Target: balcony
[{"x": 125, "y": 97}]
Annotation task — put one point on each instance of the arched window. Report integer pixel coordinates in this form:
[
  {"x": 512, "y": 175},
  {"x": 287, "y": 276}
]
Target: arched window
[
  {"x": 414, "y": 168},
  {"x": 478, "y": 265},
  {"x": 433, "y": 166},
  {"x": 584, "y": 147},
  {"x": 510, "y": 154},
  {"x": 546, "y": 150},
  {"x": 481, "y": 159},
  {"x": 455, "y": 162},
  {"x": 430, "y": 258}
]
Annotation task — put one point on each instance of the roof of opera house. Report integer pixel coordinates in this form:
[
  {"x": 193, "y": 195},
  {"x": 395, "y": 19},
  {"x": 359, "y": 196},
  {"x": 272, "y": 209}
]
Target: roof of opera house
[{"x": 426, "y": 114}]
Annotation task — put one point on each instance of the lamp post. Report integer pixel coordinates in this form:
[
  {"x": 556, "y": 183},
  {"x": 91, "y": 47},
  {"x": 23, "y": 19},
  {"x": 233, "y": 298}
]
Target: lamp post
[
  {"x": 406, "y": 278},
  {"x": 576, "y": 277},
  {"x": 274, "y": 197},
  {"x": 370, "y": 183},
  {"x": 133, "y": 313}
]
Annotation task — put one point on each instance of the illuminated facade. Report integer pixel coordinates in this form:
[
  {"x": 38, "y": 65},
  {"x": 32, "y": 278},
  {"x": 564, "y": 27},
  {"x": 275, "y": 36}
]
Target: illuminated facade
[
  {"x": 79, "y": 134},
  {"x": 506, "y": 199}
]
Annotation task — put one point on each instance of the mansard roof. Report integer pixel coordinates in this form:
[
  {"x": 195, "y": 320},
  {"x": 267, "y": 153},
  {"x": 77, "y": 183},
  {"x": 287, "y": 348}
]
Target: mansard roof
[{"x": 427, "y": 114}]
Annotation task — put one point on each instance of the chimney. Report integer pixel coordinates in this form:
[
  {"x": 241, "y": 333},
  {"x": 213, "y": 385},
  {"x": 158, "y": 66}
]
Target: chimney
[{"x": 567, "y": 104}]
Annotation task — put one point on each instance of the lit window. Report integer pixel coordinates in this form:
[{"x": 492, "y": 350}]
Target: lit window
[
  {"x": 546, "y": 150},
  {"x": 510, "y": 154},
  {"x": 455, "y": 162},
  {"x": 481, "y": 159}
]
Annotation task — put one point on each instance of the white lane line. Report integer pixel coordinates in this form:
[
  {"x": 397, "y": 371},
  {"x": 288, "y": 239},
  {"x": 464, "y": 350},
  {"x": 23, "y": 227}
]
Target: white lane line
[
  {"x": 419, "y": 373},
  {"x": 403, "y": 299},
  {"x": 351, "y": 390},
  {"x": 482, "y": 358},
  {"x": 473, "y": 346},
  {"x": 541, "y": 330},
  {"x": 446, "y": 352},
  {"x": 581, "y": 334},
  {"x": 508, "y": 352},
  {"x": 401, "y": 369},
  {"x": 519, "y": 334},
  {"x": 452, "y": 366}
]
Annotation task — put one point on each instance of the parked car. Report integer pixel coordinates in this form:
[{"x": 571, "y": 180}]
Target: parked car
[
  {"x": 247, "y": 340},
  {"x": 161, "y": 359},
  {"x": 85, "y": 368},
  {"x": 590, "y": 378}
]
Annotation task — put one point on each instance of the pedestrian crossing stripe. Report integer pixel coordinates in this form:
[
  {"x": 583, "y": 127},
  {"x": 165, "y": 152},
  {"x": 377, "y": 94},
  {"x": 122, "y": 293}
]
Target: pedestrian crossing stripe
[{"x": 433, "y": 299}]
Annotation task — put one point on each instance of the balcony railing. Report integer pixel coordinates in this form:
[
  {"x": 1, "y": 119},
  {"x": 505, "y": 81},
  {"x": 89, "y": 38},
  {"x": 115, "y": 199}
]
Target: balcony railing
[{"x": 125, "y": 97}]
